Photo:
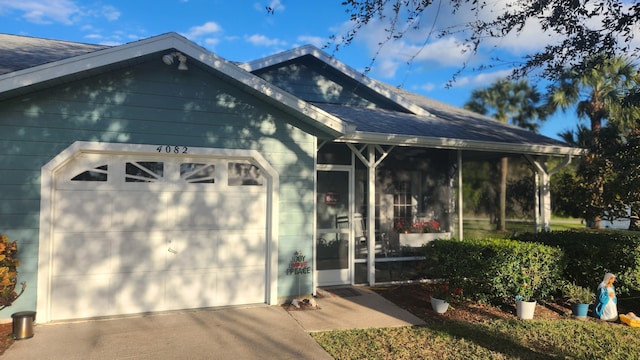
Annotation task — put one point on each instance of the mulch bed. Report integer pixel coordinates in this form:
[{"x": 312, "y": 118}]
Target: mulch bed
[
  {"x": 414, "y": 299},
  {"x": 6, "y": 338}
]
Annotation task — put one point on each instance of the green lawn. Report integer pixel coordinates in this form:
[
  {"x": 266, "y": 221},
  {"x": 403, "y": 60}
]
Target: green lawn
[
  {"x": 490, "y": 339},
  {"x": 478, "y": 229},
  {"x": 496, "y": 339}
]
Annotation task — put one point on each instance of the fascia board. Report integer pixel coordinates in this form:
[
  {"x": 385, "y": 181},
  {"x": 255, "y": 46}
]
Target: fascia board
[
  {"x": 106, "y": 57},
  {"x": 338, "y": 65},
  {"x": 460, "y": 144},
  {"x": 85, "y": 62}
]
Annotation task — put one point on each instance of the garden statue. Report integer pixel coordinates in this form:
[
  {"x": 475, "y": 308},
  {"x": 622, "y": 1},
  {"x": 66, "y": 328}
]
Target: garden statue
[{"x": 606, "y": 302}]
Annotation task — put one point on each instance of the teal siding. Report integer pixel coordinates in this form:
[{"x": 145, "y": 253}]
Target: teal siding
[{"x": 149, "y": 104}]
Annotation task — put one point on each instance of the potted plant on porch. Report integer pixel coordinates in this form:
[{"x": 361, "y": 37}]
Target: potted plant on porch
[{"x": 579, "y": 297}]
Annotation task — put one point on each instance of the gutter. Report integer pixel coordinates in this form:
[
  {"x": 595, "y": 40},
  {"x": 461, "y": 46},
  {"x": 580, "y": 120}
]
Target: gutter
[{"x": 461, "y": 144}]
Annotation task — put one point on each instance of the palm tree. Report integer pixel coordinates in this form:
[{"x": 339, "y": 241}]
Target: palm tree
[
  {"x": 602, "y": 91},
  {"x": 509, "y": 101},
  {"x": 599, "y": 92}
]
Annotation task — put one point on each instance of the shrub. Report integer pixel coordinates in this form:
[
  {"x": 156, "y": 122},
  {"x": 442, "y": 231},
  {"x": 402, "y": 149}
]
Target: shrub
[
  {"x": 590, "y": 254},
  {"x": 8, "y": 272},
  {"x": 495, "y": 270}
]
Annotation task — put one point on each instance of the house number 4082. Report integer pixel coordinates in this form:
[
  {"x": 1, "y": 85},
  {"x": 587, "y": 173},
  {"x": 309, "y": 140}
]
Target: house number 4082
[{"x": 172, "y": 149}]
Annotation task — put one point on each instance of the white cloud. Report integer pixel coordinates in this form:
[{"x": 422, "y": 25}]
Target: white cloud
[
  {"x": 481, "y": 79},
  {"x": 207, "y": 28},
  {"x": 316, "y": 41},
  {"x": 427, "y": 87},
  {"x": 211, "y": 42},
  {"x": 262, "y": 40},
  {"x": 423, "y": 47},
  {"x": 96, "y": 37},
  {"x": 39, "y": 12},
  {"x": 110, "y": 13}
]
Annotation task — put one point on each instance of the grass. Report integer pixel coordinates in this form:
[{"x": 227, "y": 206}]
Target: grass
[
  {"x": 495, "y": 339},
  {"x": 478, "y": 229},
  {"x": 491, "y": 339}
]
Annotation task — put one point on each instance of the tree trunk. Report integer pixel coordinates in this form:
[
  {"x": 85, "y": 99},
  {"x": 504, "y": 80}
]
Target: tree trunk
[{"x": 504, "y": 169}]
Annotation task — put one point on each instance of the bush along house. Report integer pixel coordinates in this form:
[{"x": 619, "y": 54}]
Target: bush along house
[{"x": 156, "y": 175}]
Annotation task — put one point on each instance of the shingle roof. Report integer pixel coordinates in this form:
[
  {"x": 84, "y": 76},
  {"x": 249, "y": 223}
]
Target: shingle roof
[
  {"x": 446, "y": 121},
  {"x": 22, "y": 52},
  {"x": 426, "y": 122},
  {"x": 442, "y": 125}
]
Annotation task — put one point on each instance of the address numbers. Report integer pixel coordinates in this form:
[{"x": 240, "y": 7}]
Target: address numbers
[{"x": 172, "y": 149}]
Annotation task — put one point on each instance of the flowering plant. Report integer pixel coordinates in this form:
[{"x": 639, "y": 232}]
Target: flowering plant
[
  {"x": 526, "y": 286},
  {"x": 405, "y": 226},
  {"x": 8, "y": 272},
  {"x": 443, "y": 291}
]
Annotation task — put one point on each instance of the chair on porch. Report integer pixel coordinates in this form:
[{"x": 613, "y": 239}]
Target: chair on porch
[{"x": 360, "y": 234}]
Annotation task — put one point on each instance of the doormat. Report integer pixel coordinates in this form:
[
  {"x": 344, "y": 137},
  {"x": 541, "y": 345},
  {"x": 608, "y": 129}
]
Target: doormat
[{"x": 344, "y": 292}]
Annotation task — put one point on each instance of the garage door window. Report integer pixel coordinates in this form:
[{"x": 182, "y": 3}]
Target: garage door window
[
  {"x": 244, "y": 174},
  {"x": 147, "y": 171},
  {"x": 97, "y": 174},
  {"x": 196, "y": 173}
]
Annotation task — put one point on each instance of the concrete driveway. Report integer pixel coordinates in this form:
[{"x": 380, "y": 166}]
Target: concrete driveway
[
  {"x": 257, "y": 332},
  {"x": 265, "y": 332}
]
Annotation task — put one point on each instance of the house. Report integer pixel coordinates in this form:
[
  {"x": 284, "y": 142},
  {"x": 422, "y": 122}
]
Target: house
[{"x": 156, "y": 175}]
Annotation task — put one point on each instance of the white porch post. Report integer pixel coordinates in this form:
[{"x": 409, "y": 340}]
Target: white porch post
[
  {"x": 371, "y": 163},
  {"x": 543, "y": 182},
  {"x": 543, "y": 195},
  {"x": 545, "y": 200},
  {"x": 371, "y": 218},
  {"x": 536, "y": 204},
  {"x": 460, "y": 203}
]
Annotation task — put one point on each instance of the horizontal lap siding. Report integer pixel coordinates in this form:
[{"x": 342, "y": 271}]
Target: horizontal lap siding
[{"x": 147, "y": 104}]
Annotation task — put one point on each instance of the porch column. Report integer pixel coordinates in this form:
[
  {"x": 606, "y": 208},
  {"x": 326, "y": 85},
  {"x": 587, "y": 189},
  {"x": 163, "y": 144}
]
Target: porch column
[
  {"x": 371, "y": 163},
  {"x": 543, "y": 189},
  {"x": 460, "y": 200},
  {"x": 371, "y": 216},
  {"x": 543, "y": 196}
]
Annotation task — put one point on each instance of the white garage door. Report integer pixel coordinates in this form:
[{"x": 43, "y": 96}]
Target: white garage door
[{"x": 135, "y": 234}]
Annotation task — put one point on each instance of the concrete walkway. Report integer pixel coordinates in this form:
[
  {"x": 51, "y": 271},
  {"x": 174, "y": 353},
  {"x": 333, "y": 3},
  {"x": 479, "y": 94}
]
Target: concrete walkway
[{"x": 257, "y": 332}]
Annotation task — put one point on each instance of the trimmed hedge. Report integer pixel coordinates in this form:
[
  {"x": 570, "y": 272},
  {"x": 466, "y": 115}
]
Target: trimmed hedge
[
  {"x": 590, "y": 254},
  {"x": 494, "y": 270}
]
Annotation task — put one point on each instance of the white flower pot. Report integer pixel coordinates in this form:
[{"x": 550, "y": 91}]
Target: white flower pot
[
  {"x": 525, "y": 309},
  {"x": 440, "y": 306}
]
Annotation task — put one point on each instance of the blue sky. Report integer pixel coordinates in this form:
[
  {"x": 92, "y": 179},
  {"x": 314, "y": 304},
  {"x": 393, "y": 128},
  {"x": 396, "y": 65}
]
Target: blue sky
[{"x": 242, "y": 30}]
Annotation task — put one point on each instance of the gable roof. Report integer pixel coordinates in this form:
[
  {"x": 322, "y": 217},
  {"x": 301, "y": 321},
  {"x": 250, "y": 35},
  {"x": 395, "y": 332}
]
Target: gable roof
[
  {"x": 427, "y": 122},
  {"x": 348, "y": 71},
  {"x": 21, "y": 52},
  {"x": 28, "y": 63},
  {"x": 54, "y": 65}
]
